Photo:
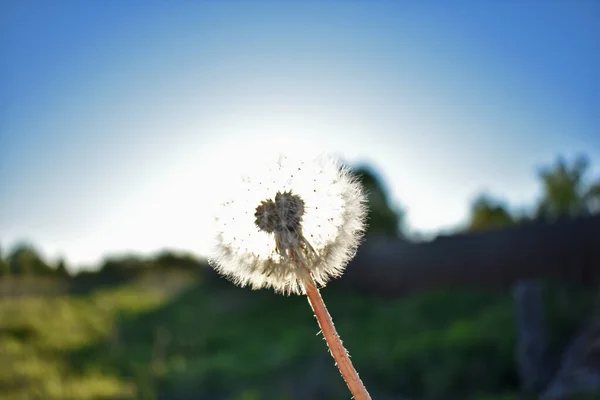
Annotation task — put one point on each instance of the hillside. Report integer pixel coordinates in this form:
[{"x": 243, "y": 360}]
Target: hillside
[{"x": 178, "y": 336}]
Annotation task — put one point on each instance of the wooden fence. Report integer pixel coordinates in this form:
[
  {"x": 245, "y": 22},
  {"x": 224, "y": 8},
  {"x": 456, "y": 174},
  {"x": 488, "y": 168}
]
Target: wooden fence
[{"x": 568, "y": 250}]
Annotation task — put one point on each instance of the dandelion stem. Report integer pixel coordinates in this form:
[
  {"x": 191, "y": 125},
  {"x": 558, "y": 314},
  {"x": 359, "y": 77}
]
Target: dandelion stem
[{"x": 339, "y": 353}]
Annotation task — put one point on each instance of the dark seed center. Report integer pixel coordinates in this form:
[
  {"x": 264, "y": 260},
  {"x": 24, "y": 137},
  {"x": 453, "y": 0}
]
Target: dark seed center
[{"x": 282, "y": 215}]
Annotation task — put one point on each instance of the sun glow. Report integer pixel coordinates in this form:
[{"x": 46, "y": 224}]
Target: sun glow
[{"x": 175, "y": 209}]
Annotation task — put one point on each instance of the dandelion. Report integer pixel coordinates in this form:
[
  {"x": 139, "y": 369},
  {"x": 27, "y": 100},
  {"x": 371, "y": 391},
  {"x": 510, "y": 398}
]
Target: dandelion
[{"x": 291, "y": 225}]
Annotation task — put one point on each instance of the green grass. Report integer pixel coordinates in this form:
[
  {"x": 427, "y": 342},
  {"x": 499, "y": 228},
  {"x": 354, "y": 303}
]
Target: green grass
[
  {"x": 38, "y": 334},
  {"x": 217, "y": 341}
]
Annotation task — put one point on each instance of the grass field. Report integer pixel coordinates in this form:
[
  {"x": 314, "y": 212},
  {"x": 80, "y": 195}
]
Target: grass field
[{"x": 175, "y": 336}]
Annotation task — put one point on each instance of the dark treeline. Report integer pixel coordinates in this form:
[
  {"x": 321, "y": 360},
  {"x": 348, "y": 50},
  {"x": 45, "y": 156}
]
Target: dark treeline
[
  {"x": 25, "y": 260},
  {"x": 567, "y": 191}
]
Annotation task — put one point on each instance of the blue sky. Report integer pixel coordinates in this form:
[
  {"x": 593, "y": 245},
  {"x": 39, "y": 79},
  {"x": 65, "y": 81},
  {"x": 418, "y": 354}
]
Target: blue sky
[{"x": 119, "y": 119}]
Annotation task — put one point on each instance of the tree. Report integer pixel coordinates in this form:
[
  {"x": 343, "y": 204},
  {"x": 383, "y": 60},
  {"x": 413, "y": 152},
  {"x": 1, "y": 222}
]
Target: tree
[
  {"x": 593, "y": 197},
  {"x": 169, "y": 259},
  {"x": 489, "y": 213},
  {"x": 125, "y": 266},
  {"x": 383, "y": 219},
  {"x": 61, "y": 269},
  {"x": 25, "y": 260},
  {"x": 4, "y": 268},
  {"x": 566, "y": 192}
]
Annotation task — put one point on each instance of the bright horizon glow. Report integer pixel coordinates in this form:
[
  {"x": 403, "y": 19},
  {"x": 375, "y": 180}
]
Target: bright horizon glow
[{"x": 121, "y": 121}]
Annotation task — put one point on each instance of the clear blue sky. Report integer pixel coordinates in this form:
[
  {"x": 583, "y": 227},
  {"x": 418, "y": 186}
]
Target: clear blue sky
[{"x": 119, "y": 119}]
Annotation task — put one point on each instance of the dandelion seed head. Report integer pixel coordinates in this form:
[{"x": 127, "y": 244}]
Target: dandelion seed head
[
  {"x": 287, "y": 218},
  {"x": 266, "y": 216}
]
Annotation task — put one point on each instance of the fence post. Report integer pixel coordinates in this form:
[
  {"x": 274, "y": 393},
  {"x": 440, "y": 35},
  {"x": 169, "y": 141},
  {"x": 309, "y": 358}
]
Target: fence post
[{"x": 532, "y": 338}]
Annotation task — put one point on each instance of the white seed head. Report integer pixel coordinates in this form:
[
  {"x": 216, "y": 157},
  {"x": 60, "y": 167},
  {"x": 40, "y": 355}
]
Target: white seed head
[{"x": 287, "y": 219}]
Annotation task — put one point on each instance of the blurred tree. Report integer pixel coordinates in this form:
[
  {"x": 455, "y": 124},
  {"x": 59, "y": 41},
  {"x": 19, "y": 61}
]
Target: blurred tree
[
  {"x": 383, "y": 219},
  {"x": 4, "y": 268},
  {"x": 489, "y": 213},
  {"x": 125, "y": 266},
  {"x": 170, "y": 259},
  {"x": 566, "y": 192},
  {"x": 61, "y": 269},
  {"x": 593, "y": 197},
  {"x": 25, "y": 260}
]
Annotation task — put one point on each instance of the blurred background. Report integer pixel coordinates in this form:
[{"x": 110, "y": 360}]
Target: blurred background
[{"x": 473, "y": 125}]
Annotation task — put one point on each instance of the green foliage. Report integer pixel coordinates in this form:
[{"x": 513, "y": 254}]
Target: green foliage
[
  {"x": 566, "y": 191},
  {"x": 126, "y": 266},
  {"x": 169, "y": 259},
  {"x": 25, "y": 260},
  {"x": 4, "y": 268},
  {"x": 160, "y": 338},
  {"x": 61, "y": 268},
  {"x": 489, "y": 213},
  {"x": 382, "y": 218}
]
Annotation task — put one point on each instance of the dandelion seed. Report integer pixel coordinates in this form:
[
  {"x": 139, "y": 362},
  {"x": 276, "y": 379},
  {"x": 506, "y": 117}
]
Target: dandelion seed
[{"x": 313, "y": 214}]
